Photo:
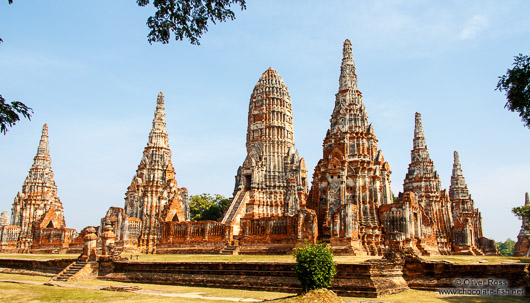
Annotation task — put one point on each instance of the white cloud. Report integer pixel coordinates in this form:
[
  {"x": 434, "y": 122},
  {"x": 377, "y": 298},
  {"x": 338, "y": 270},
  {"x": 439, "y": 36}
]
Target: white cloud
[{"x": 473, "y": 26}]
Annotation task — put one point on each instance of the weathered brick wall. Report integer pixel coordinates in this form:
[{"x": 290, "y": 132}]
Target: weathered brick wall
[
  {"x": 428, "y": 275},
  {"x": 368, "y": 280},
  {"x": 48, "y": 267}
]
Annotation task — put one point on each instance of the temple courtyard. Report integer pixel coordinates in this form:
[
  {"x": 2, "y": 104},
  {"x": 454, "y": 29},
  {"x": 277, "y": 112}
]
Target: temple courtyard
[{"x": 38, "y": 287}]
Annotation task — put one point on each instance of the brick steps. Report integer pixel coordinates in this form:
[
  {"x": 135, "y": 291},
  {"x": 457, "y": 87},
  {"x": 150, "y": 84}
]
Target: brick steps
[
  {"x": 70, "y": 271},
  {"x": 230, "y": 250}
]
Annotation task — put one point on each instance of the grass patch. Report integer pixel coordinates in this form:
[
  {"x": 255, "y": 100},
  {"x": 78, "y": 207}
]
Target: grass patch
[
  {"x": 205, "y": 292},
  {"x": 38, "y": 256},
  {"x": 267, "y": 258},
  {"x": 18, "y": 277},
  {"x": 479, "y": 259},
  {"x": 15, "y": 293},
  {"x": 422, "y": 296}
]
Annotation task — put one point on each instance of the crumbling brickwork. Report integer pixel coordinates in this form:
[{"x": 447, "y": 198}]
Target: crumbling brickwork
[
  {"x": 272, "y": 182},
  {"x": 153, "y": 196},
  {"x": 37, "y": 219},
  {"x": 352, "y": 180}
]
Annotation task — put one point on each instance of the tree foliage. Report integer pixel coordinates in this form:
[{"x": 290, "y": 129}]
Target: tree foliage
[
  {"x": 516, "y": 84},
  {"x": 314, "y": 266},
  {"x": 186, "y": 19},
  {"x": 207, "y": 207},
  {"x": 506, "y": 247},
  {"x": 523, "y": 212},
  {"x": 9, "y": 113}
]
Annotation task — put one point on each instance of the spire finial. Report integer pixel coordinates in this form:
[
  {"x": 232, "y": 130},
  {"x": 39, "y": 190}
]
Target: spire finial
[
  {"x": 347, "y": 52},
  {"x": 457, "y": 169},
  {"x": 348, "y": 77},
  {"x": 43, "y": 149},
  {"x": 158, "y": 136},
  {"x": 160, "y": 98},
  {"x": 419, "y": 137}
]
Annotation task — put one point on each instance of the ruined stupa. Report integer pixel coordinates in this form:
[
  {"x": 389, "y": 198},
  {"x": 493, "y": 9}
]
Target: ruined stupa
[
  {"x": 352, "y": 179},
  {"x": 423, "y": 180},
  {"x": 272, "y": 182},
  {"x": 467, "y": 220},
  {"x": 37, "y": 205},
  {"x": 153, "y": 195}
]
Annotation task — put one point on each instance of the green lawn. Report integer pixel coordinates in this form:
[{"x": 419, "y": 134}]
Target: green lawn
[
  {"x": 480, "y": 259},
  {"x": 267, "y": 258},
  {"x": 13, "y": 293}
]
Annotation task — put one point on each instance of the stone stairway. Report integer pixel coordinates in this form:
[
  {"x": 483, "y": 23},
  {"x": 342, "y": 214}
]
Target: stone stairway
[
  {"x": 230, "y": 250},
  {"x": 235, "y": 206},
  {"x": 69, "y": 271}
]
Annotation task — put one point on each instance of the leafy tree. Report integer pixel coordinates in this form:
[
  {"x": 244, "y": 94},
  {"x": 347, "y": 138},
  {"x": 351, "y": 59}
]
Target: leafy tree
[
  {"x": 207, "y": 207},
  {"x": 314, "y": 266},
  {"x": 9, "y": 113},
  {"x": 523, "y": 212},
  {"x": 516, "y": 84},
  {"x": 186, "y": 18},
  {"x": 506, "y": 247}
]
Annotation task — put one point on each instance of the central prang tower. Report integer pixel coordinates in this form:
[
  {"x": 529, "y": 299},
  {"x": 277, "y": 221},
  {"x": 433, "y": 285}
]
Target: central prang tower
[
  {"x": 272, "y": 179},
  {"x": 352, "y": 179}
]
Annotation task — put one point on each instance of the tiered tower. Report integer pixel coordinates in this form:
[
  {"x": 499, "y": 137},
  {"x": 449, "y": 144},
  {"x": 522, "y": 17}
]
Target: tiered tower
[
  {"x": 153, "y": 194},
  {"x": 352, "y": 179},
  {"x": 272, "y": 179},
  {"x": 522, "y": 247},
  {"x": 467, "y": 220},
  {"x": 38, "y": 204},
  {"x": 423, "y": 180}
]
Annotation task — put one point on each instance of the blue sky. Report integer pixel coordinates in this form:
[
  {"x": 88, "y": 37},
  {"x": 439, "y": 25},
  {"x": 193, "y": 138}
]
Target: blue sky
[{"x": 87, "y": 70}]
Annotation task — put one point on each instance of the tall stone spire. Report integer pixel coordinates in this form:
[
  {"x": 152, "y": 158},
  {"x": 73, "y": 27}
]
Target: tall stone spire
[
  {"x": 467, "y": 220},
  {"x": 153, "y": 190},
  {"x": 272, "y": 179},
  {"x": 38, "y": 200},
  {"x": 423, "y": 180},
  {"x": 158, "y": 136},
  {"x": 348, "y": 77},
  {"x": 352, "y": 179},
  {"x": 458, "y": 188},
  {"x": 419, "y": 138},
  {"x": 522, "y": 247},
  {"x": 421, "y": 175}
]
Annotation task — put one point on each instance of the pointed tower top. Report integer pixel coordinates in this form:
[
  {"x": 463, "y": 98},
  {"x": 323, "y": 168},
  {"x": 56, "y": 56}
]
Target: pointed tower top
[
  {"x": 347, "y": 52},
  {"x": 270, "y": 82},
  {"x": 158, "y": 136},
  {"x": 457, "y": 169},
  {"x": 271, "y": 73},
  {"x": 43, "y": 149},
  {"x": 419, "y": 137},
  {"x": 526, "y": 199},
  {"x": 348, "y": 77}
]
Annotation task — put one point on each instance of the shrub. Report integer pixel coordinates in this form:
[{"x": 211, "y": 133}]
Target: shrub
[{"x": 314, "y": 266}]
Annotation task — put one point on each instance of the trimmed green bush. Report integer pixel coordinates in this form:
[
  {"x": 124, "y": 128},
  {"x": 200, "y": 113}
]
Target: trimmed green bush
[{"x": 314, "y": 266}]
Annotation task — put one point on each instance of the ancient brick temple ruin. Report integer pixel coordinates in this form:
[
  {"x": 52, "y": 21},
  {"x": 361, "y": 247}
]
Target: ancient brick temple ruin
[
  {"x": 423, "y": 180},
  {"x": 352, "y": 180},
  {"x": 350, "y": 204},
  {"x": 37, "y": 220},
  {"x": 522, "y": 247},
  {"x": 268, "y": 211},
  {"x": 467, "y": 220},
  {"x": 153, "y": 196}
]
